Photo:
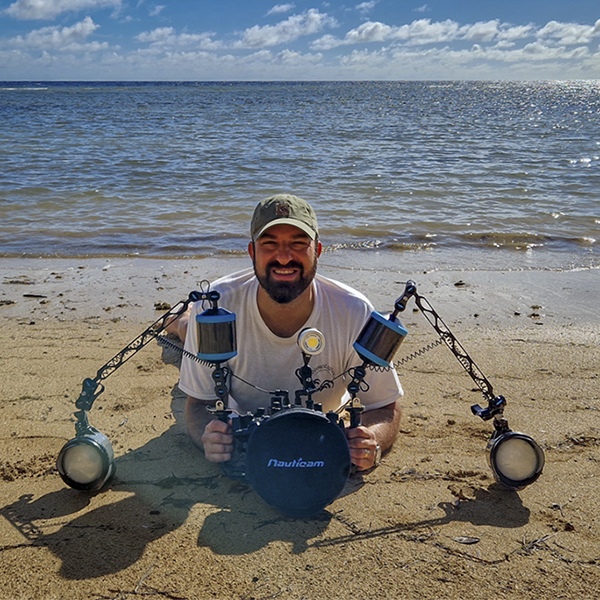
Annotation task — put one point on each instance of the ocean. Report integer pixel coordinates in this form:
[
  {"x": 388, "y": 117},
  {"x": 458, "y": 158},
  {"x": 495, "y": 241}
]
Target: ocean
[{"x": 481, "y": 175}]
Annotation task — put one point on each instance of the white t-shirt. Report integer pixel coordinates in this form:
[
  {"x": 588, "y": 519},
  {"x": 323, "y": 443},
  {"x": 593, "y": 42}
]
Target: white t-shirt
[{"x": 269, "y": 362}]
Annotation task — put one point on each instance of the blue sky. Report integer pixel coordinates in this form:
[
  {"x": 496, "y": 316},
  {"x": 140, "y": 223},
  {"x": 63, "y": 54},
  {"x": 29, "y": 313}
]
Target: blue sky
[{"x": 300, "y": 40}]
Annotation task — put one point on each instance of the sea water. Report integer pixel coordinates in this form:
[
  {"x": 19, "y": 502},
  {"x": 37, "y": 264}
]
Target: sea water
[{"x": 436, "y": 174}]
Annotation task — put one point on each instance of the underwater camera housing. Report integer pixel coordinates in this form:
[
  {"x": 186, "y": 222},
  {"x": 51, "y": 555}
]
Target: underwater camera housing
[{"x": 296, "y": 458}]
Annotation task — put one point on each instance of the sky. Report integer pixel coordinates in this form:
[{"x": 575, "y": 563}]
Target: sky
[{"x": 233, "y": 40}]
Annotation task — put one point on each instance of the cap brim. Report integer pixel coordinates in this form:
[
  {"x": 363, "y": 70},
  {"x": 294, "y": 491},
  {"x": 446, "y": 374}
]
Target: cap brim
[{"x": 286, "y": 221}]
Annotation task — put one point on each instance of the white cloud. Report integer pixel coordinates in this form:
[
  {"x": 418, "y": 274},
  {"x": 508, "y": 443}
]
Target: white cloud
[
  {"x": 156, "y": 10},
  {"x": 291, "y": 29},
  {"x": 446, "y": 63},
  {"x": 483, "y": 31},
  {"x": 366, "y": 59},
  {"x": 515, "y": 32},
  {"x": 536, "y": 53},
  {"x": 370, "y": 32},
  {"x": 419, "y": 32},
  {"x": 425, "y": 32},
  {"x": 365, "y": 7},
  {"x": 298, "y": 59},
  {"x": 166, "y": 37},
  {"x": 158, "y": 35},
  {"x": 570, "y": 34},
  {"x": 60, "y": 38},
  {"x": 281, "y": 8},
  {"x": 49, "y": 9}
]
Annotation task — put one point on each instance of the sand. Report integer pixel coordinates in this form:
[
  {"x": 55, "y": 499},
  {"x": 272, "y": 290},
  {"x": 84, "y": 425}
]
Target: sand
[{"x": 430, "y": 522}]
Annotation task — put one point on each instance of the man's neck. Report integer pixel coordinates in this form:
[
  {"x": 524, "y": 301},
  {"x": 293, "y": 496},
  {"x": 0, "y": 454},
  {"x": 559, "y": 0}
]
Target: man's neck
[{"x": 284, "y": 320}]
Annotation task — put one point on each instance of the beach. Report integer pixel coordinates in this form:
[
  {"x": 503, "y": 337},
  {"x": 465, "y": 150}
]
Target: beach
[{"x": 429, "y": 522}]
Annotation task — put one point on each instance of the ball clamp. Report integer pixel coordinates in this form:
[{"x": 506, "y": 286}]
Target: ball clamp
[{"x": 293, "y": 455}]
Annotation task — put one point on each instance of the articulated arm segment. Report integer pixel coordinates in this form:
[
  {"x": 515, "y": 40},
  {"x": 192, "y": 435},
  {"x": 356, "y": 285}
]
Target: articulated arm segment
[
  {"x": 146, "y": 336},
  {"x": 496, "y": 404},
  {"x": 92, "y": 388}
]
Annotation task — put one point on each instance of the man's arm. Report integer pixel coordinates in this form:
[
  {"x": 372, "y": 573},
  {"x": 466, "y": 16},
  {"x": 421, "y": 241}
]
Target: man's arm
[
  {"x": 209, "y": 434},
  {"x": 377, "y": 427},
  {"x": 178, "y": 325}
]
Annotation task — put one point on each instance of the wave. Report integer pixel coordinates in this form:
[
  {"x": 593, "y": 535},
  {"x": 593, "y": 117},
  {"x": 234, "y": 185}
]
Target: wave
[{"x": 140, "y": 243}]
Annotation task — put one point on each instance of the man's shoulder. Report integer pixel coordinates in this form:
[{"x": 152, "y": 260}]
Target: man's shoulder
[
  {"x": 233, "y": 289},
  {"x": 234, "y": 281},
  {"x": 340, "y": 291}
]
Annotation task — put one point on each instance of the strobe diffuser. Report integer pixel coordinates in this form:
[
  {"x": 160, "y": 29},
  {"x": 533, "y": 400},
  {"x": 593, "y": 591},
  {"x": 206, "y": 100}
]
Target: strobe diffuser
[
  {"x": 516, "y": 459},
  {"x": 87, "y": 461}
]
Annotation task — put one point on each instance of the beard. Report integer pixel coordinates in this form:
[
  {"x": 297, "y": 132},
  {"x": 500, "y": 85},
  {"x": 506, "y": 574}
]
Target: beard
[{"x": 284, "y": 292}]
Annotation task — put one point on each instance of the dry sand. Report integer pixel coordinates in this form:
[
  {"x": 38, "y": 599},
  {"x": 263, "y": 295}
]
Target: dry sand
[{"x": 171, "y": 526}]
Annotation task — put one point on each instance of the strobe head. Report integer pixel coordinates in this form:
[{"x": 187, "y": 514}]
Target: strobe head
[
  {"x": 379, "y": 339},
  {"x": 516, "y": 459},
  {"x": 86, "y": 462},
  {"x": 311, "y": 341},
  {"x": 216, "y": 335}
]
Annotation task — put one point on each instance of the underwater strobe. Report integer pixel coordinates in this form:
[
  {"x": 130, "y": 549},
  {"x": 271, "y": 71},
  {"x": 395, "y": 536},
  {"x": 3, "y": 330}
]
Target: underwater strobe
[
  {"x": 216, "y": 334},
  {"x": 380, "y": 338},
  {"x": 515, "y": 459},
  {"x": 86, "y": 462}
]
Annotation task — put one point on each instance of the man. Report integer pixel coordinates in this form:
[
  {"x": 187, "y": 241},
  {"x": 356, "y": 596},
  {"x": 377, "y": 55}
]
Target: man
[{"x": 273, "y": 303}]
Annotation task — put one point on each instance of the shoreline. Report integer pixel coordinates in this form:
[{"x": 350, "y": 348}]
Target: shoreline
[{"x": 136, "y": 289}]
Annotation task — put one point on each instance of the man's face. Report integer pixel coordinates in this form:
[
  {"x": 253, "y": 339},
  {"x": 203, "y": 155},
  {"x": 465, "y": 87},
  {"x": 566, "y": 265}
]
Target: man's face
[{"x": 285, "y": 261}]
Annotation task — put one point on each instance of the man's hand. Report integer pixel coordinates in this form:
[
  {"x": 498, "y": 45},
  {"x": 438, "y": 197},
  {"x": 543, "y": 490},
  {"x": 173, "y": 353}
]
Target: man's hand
[
  {"x": 363, "y": 447},
  {"x": 217, "y": 441},
  {"x": 379, "y": 426},
  {"x": 209, "y": 434}
]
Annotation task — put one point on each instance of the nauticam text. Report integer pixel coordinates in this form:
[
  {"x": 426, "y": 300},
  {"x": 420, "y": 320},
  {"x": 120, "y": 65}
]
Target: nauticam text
[{"x": 297, "y": 463}]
